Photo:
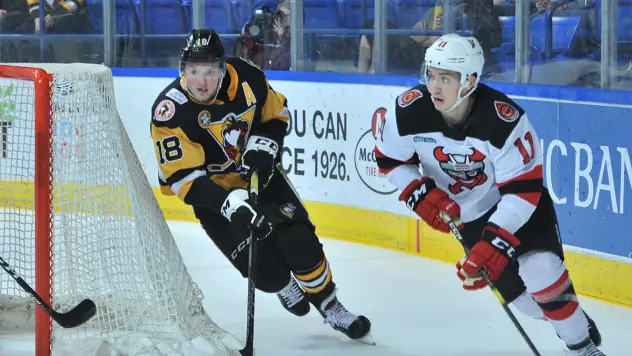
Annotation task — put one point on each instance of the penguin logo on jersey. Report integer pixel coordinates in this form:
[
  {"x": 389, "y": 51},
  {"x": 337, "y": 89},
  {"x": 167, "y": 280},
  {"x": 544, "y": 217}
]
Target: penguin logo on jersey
[
  {"x": 164, "y": 110},
  {"x": 231, "y": 133},
  {"x": 287, "y": 210},
  {"x": 468, "y": 170},
  {"x": 234, "y": 132}
]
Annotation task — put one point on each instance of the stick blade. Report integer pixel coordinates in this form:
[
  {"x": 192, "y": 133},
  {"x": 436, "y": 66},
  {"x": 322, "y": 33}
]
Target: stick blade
[
  {"x": 247, "y": 351},
  {"x": 77, "y": 315}
]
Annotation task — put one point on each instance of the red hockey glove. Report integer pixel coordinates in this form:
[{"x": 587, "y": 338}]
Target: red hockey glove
[
  {"x": 426, "y": 200},
  {"x": 470, "y": 282},
  {"x": 493, "y": 252}
]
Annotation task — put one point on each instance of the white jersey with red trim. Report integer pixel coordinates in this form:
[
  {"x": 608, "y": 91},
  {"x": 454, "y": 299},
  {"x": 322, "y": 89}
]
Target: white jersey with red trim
[{"x": 495, "y": 160}]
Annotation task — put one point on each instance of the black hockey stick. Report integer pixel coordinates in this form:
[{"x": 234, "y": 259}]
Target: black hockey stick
[
  {"x": 74, "y": 317},
  {"x": 455, "y": 231},
  {"x": 248, "y": 350}
]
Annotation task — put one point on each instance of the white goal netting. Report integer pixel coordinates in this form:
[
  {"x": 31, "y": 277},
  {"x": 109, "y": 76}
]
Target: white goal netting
[{"x": 110, "y": 241}]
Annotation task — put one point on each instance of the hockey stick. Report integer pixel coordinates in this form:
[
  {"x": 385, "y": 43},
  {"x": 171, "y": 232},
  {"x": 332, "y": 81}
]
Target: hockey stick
[
  {"x": 455, "y": 231},
  {"x": 248, "y": 350},
  {"x": 75, "y": 317}
]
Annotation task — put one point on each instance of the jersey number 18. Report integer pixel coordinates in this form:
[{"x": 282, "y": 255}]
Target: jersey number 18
[{"x": 169, "y": 149}]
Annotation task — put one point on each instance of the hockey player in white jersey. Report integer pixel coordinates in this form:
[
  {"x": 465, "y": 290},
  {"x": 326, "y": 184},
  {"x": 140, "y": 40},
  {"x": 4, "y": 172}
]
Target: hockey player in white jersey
[{"x": 481, "y": 161}]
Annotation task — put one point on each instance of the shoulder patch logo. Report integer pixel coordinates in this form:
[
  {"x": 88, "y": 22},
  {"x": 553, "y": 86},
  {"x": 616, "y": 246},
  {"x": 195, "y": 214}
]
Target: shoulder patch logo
[
  {"x": 177, "y": 95},
  {"x": 287, "y": 209},
  {"x": 204, "y": 119},
  {"x": 164, "y": 110},
  {"x": 409, "y": 97},
  {"x": 506, "y": 112}
]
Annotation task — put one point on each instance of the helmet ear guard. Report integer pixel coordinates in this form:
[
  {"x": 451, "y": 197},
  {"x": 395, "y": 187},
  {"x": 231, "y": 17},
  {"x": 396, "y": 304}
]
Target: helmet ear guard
[{"x": 463, "y": 55}]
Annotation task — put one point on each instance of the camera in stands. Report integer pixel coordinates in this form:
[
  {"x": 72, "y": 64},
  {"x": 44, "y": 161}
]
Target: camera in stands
[{"x": 262, "y": 21}]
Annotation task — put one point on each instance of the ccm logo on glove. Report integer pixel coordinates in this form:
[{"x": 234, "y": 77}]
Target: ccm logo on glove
[
  {"x": 427, "y": 201},
  {"x": 259, "y": 155}
]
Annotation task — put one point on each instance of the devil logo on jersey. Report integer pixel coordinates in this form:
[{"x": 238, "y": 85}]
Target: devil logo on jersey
[{"x": 468, "y": 170}]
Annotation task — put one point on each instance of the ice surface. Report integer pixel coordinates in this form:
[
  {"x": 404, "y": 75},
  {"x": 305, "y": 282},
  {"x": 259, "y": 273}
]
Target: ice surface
[{"x": 416, "y": 305}]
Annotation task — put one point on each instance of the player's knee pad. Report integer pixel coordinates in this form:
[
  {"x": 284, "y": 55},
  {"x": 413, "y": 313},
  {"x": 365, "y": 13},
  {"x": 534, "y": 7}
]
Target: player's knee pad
[
  {"x": 299, "y": 245},
  {"x": 272, "y": 273},
  {"x": 270, "y": 283},
  {"x": 317, "y": 280},
  {"x": 549, "y": 283},
  {"x": 270, "y": 278},
  {"x": 558, "y": 301}
]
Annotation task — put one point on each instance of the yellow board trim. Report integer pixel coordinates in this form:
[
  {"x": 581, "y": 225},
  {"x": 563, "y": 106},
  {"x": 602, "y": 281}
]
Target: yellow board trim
[{"x": 592, "y": 276}]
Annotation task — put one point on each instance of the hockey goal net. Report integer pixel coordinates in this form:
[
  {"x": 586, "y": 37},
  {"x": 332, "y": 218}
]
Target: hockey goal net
[{"x": 78, "y": 219}]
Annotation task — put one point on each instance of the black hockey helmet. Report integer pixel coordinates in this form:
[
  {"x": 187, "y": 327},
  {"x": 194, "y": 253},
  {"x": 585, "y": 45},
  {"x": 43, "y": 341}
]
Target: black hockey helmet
[{"x": 202, "y": 46}]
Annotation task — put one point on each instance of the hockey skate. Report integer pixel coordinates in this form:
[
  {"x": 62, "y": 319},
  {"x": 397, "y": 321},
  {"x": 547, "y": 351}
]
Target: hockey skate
[
  {"x": 356, "y": 327},
  {"x": 594, "y": 333},
  {"x": 585, "y": 348},
  {"x": 293, "y": 299}
]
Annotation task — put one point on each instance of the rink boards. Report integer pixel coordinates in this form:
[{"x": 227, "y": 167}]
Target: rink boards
[{"x": 328, "y": 155}]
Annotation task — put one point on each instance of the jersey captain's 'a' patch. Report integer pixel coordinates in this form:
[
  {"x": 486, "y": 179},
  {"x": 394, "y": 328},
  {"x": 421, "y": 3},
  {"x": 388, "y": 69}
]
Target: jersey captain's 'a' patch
[
  {"x": 506, "y": 111},
  {"x": 409, "y": 97}
]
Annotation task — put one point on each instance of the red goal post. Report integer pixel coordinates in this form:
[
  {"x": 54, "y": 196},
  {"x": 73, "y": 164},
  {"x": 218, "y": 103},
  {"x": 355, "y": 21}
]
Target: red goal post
[{"x": 42, "y": 192}]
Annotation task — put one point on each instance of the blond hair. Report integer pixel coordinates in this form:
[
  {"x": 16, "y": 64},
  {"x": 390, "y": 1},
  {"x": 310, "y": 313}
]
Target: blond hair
[{"x": 286, "y": 4}]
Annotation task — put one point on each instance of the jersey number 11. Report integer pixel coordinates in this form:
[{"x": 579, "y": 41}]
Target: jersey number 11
[{"x": 526, "y": 158}]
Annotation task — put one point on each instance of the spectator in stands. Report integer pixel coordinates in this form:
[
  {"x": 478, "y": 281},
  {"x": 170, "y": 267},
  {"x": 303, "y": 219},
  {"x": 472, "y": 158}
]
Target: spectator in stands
[
  {"x": 62, "y": 16},
  {"x": 13, "y": 13},
  {"x": 588, "y": 38},
  {"x": 543, "y": 5},
  {"x": 406, "y": 53},
  {"x": 265, "y": 40}
]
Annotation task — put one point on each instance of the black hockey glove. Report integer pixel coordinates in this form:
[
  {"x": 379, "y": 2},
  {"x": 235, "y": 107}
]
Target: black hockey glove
[
  {"x": 238, "y": 208},
  {"x": 259, "y": 155}
]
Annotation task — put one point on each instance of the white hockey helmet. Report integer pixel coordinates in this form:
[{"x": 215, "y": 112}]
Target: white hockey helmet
[{"x": 456, "y": 53}]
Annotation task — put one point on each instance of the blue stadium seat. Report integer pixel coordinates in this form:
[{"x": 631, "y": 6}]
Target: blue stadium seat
[
  {"x": 354, "y": 18},
  {"x": 126, "y": 20},
  {"x": 624, "y": 20},
  {"x": 242, "y": 10},
  {"x": 219, "y": 16},
  {"x": 565, "y": 34},
  {"x": 163, "y": 16},
  {"x": 321, "y": 14},
  {"x": 505, "y": 54},
  {"x": 409, "y": 12},
  {"x": 508, "y": 27}
]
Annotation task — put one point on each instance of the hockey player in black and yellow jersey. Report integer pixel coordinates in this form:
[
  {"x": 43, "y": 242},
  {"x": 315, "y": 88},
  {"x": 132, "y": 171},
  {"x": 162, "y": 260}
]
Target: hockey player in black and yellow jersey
[{"x": 212, "y": 127}]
